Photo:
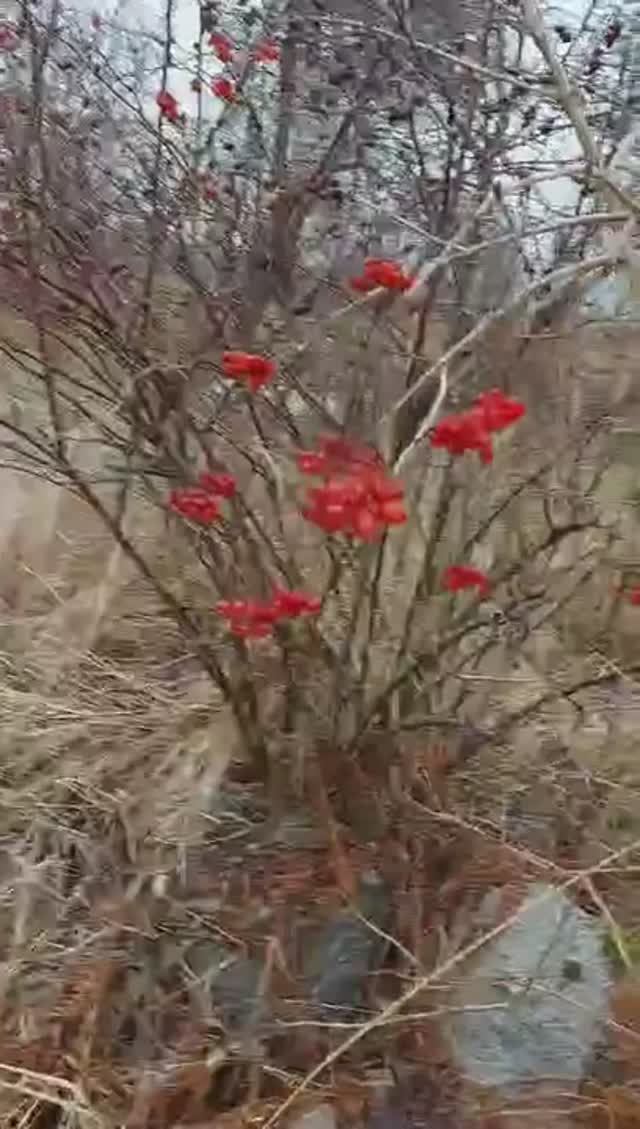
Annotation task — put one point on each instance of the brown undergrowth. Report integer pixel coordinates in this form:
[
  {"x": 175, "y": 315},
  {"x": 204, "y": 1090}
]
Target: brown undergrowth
[{"x": 108, "y": 1020}]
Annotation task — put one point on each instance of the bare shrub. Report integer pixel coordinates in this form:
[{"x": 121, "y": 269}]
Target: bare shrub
[{"x": 379, "y": 218}]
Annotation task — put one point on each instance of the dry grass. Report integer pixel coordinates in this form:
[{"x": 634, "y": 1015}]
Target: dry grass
[{"x": 132, "y": 830}]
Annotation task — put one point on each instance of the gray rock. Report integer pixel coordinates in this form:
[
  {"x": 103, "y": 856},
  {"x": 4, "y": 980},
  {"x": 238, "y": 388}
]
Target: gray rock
[
  {"x": 321, "y": 1117},
  {"x": 236, "y": 994},
  {"x": 348, "y": 950},
  {"x": 233, "y": 984},
  {"x": 299, "y": 830},
  {"x": 550, "y": 977}
]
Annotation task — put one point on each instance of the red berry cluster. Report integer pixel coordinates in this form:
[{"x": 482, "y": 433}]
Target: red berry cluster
[
  {"x": 384, "y": 273},
  {"x": 9, "y": 38},
  {"x": 222, "y": 46},
  {"x": 357, "y": 496},
  {"x": 168, "y": 106},
  {"x": 457, "y": 578},
  {"x": 209, "y": 190},
  {"x": 267, "y": 51},
  {"x": 472, "y": 430},
  {"x": 248, "y": 368},
  {"x": 201, "y": 503},
  {"x": 255, "y": 619},
  {"x": 224, "y": 88}
]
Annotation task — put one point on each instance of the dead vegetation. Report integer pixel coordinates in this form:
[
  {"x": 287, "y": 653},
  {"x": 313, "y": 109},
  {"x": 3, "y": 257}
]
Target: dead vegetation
[
  {"x": 144, "y": 859},
  {"x": 162, "y": 887},
  {"x": 240, "y": 878}
]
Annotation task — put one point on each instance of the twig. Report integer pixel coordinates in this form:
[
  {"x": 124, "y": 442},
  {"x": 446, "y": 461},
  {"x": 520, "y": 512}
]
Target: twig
[
  {"x": 427, "y": 422},
  {"x": 571, "y": 101},
  {"x": 616, "y": 933},
  {"x": 558, "y": 277}
]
